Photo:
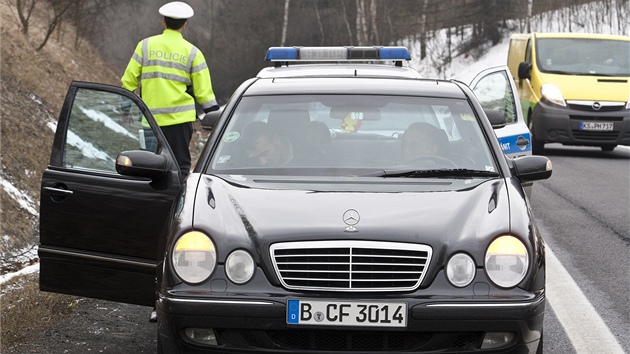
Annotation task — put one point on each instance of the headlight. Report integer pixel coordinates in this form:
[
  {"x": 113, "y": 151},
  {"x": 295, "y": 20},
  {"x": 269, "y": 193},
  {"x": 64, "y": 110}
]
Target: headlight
[
  {"x": 552, "y": 94},
  {"x": 460, "y": 270},
  {"x": 239, "y": 267},
  {"x": 506, "y": 261},
  {"x": 194, "y": 257}
]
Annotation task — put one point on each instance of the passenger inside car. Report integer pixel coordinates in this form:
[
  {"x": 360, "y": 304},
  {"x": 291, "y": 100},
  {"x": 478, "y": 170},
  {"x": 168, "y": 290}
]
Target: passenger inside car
[
  {"x": 423, "y": 139},
  {"x": 318, "y": 138}
]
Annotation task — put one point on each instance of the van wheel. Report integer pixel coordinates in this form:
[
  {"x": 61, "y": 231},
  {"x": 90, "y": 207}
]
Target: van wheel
[
  {"x": 608, "y": 148},
  {"x": 538, "y": 146}
]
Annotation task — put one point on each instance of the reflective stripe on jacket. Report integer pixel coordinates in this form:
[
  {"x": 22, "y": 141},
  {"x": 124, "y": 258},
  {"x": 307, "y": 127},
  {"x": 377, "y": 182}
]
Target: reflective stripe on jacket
[{"x": 164, "y": 66}]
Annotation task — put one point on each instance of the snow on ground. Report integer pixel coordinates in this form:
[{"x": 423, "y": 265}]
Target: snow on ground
[
  {"x": 33, "y": 268},
  {"x": 19, "y": 196}
]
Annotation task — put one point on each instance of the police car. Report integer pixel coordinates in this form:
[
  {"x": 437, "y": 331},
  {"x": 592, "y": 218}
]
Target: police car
[{"x": 341, "y": 204}]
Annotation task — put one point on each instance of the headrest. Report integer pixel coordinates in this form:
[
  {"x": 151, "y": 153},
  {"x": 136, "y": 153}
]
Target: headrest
[{"x": 288, "y": 122}]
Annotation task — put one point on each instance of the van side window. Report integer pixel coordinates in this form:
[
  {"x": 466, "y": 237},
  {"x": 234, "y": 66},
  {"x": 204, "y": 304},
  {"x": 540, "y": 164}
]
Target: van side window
[
  {"x": 100, "y": 126},
  {"x": 494, "y": 92}
]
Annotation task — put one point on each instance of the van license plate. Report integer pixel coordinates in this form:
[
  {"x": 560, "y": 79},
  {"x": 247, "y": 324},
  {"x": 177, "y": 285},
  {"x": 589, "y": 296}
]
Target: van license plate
[
  {"x": 598, "y": 126},
  {"x": 346, "y": 313}
]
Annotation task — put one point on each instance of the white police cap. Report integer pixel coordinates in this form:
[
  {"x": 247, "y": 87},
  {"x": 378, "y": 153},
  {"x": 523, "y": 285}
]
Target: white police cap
[{"x": 177, "y": 10}]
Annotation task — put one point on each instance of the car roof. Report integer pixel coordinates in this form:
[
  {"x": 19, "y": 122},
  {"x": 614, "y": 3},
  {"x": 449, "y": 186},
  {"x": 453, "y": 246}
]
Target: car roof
[
  {"x": 371, "y": 85},
  {"x": 346, "y": 70},
  {"x": 581, "y": 35}
]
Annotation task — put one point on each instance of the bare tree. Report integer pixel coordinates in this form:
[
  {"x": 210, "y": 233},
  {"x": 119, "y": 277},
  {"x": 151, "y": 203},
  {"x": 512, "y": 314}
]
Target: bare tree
[
  {"x": 361, "y": 23},
  {"x": 25, "y": 10},
  {"x": 347, "y": 22},
  {"x": 90, "y": 15},
  {"x": 423, "y": 29},
  {"x": 285, "y": 22},
  {"x": 319, "y": 25},
  {"x": 59, "y": 8},
  {"x": 373, "y": 26}
]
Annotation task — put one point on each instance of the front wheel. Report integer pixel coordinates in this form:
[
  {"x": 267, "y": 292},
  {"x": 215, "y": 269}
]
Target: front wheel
[{"x": 538, "y": 146}]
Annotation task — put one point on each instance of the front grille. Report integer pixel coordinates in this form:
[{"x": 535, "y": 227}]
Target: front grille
[
  {"x": 595, "y": 135},
  {"x": 314, "y": 340},
  {"x": 604, "y": 106},
  {"x": 350, "y": 265}
]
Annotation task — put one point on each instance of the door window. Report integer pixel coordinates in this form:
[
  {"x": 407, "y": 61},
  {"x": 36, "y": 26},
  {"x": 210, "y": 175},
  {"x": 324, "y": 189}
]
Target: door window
[
  {"x": 495, "y": 92},
  {"x": 101, "y": 125}
]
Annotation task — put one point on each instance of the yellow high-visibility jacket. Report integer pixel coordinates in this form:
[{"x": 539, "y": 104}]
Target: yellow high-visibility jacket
[{"x": 163, "y": 66}]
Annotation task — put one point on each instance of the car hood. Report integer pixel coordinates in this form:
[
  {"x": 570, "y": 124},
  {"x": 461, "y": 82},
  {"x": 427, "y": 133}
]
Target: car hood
[
  {"x": 253, "y": 217},
  {"x": 591, "y": 88}
]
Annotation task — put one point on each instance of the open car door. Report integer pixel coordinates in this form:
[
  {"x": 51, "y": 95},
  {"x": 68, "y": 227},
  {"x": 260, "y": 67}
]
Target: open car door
[
  {"x": 495, "y": 89},
  {"x": 100, "y": 231}
]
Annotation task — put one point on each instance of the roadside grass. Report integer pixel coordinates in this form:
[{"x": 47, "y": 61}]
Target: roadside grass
[{"x": 25, "y": 311}]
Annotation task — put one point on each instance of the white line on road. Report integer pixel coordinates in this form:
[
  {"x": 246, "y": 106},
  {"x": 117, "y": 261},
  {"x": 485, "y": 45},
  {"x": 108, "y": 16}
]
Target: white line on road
[{"x": 584, "y": 327}]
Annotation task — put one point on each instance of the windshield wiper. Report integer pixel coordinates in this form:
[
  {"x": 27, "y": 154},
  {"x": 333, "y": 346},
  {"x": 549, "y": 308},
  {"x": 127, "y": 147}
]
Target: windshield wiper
[{"x": 452, "y": 173}]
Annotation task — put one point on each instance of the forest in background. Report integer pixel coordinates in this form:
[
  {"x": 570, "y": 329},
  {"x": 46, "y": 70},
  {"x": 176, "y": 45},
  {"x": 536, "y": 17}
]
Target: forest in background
[{"x": 235, "y": 34}]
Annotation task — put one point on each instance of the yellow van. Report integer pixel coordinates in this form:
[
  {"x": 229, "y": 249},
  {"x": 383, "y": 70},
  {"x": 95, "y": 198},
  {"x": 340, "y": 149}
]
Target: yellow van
[{"x": 574, "y": 87}]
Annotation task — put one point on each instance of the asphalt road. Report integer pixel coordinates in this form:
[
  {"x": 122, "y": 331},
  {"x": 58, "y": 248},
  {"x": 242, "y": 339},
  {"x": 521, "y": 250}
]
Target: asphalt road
[{"x": 583, "y": 212}]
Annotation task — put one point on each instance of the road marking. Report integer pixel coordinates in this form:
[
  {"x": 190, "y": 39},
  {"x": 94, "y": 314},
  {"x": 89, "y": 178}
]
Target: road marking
[{"x": 584, "y": 327}]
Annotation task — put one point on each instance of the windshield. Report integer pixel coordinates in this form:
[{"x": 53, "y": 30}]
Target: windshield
[
  {"x": 341, "y": 135},
  {"x": 579, "y": 56}
]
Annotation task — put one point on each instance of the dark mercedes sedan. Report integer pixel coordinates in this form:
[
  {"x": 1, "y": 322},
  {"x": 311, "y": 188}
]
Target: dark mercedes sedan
[{"x": 342, "y": 205}]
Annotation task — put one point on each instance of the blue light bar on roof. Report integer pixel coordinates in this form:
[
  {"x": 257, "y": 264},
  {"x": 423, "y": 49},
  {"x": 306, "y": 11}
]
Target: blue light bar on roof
[{"x": 337, "y": 53}]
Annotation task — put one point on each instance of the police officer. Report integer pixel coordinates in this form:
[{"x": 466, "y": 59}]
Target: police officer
[{"x": 165, "y": 67}]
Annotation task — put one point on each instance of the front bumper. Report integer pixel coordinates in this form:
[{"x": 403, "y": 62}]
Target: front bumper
[
  {"x": 250, "y": 323},
  {"x": 562, "y": 125}
]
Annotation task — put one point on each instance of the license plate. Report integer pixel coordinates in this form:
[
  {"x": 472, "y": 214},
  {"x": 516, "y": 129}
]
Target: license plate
[
  {"x": 346, "y": 313},
  {"x": 596, "y": 126}
]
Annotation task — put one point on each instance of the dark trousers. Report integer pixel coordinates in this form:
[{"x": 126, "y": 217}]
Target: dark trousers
[{"x": 178, "y": 137}]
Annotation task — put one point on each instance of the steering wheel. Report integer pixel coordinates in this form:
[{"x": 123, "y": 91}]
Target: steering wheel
[{"x": 435, "y": 159}]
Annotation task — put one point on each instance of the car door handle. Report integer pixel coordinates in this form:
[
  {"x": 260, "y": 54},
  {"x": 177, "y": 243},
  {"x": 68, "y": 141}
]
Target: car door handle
[
  {"x": 522, "y": 141},
  {"x": 58, "y": 191}
]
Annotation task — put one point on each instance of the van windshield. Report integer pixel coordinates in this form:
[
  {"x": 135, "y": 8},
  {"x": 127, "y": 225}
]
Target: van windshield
[{"x": 581, "y": 56}]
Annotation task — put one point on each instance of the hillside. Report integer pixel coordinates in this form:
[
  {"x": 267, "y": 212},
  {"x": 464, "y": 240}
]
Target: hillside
[{"x": 33, "y": 88}]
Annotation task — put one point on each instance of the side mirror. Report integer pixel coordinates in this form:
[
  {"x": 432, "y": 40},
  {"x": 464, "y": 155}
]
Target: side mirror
[
  {"x": 496, "y": 118},
  {"x": 210, "y": 119},
  {"x": 141, "y": 163},
  {"x": 524, "y": 70},
  {"x": 532, "y": 168}
]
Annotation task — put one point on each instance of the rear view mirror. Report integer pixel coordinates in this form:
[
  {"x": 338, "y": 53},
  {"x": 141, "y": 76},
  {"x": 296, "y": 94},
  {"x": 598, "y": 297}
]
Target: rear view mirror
[
  {"x": 496, "y": 118},
  {"x": 361, "y": 113},
  {"x": 141, "y": 163},
  {"x": 210, "y": 119},
  {"x": 524, "y": 70},
  {"x": 532, "y": 168}
]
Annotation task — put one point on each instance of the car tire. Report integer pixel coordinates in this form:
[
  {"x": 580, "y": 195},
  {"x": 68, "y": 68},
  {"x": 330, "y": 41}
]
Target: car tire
[
  {"x": 540, "y": 348},
  {"x": 608, "y": 148},
  {"x": 538, "y": 146}
]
